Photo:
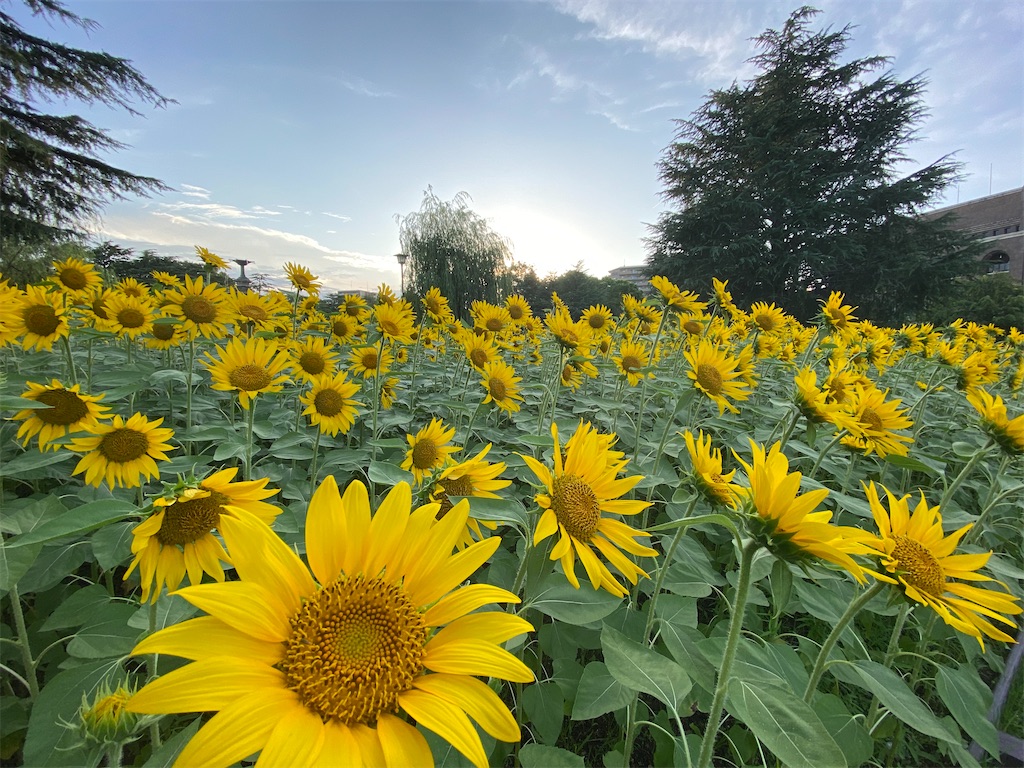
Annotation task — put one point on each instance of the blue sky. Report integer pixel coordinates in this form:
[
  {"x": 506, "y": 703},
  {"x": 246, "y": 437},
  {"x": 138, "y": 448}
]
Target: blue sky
[{"x": 302, "y": 129}]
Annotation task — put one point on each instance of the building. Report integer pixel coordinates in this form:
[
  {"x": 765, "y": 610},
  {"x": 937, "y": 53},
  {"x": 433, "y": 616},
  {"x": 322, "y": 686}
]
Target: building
[
  {"x": 996, "y": 221},
  {"x": 635, "y": 274}
]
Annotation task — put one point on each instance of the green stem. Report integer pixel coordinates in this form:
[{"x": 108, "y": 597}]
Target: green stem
[
  {"x": 188, "y": 390},
  {"x": 313, "y": 463},
  {"x": 890, "y": 654},
  {"x": 66, "y": 344},
  {"x": 469, "y": 427},
  {"x": 825, "y": 450},
  {"x": 826, "y": 648},
  {"x": 249, "y": 418},
  {"x": 968, "y": 468},
  {"x": 114, "y": 754},
  {"x": 707, "y": 746},
  {"x": 23, "y": 643},
  {"x": 663, "y": 569},
  {"x": 789, "y": 431},
  {"x": 154, "y": 729}
]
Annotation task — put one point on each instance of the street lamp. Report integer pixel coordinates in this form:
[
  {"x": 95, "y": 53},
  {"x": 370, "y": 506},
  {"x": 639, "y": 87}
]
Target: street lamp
[
  {"x": 402, "y": 258},
  {"x": 242, "y": 282}
]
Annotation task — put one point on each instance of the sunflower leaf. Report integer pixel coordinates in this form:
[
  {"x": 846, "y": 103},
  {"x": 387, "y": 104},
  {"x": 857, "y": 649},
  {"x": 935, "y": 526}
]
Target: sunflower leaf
[
  {"x": 643, "y": 669},
  {"x": 82, "y": 519},
  {"x": 540, "y": 756},
  {"x": 968, "y": 699}
]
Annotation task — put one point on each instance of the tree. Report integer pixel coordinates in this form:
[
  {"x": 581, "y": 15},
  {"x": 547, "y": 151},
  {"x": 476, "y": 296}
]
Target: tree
[
  {"x": 996, "y": 299},
  {"x": 121, "y": 262},
  {"x": 788, "y": 187},
  {"x": 453, "y": 249},
  {"x": 51, "y": 174}
]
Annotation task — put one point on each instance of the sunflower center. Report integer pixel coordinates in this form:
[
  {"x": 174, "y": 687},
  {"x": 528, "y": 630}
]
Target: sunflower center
[
  {"x": 390, "y": 328},
  {"x": 631, "y": 363},
  {"x": 497, "y": 389},
  {"x": 163, "y": 331},
  {"x": 355, "y": 646},
  {"x": 131, "y": 318},
  {"x": 424, "y": 453},
  {"x": 369, "y": 360},
  {"x": 99, "y": 308},
  {"x": 186, "y": 521},
  {"x": 73, "y": 278},
  {"x": 353, "y": 310},
  {"x": 576, "y": 506},
  {"x": 253, "y": 312},
  {"x": 41, "y": 319},
  {"x": 918, "y": 565},
  {"x": 250, "y": 378},
  {"x": 312, "y": 362},
  {"x": 515, "y": 312},
  {"x": 692, "y": 327},
  {"x": 765, "y": 322},
  {"x": 65, "y": 407},
  {"x": 328, "y": 402},
  {"x": 457, "y": 486},
  {"x": 596, "y": 322},
  {"x": 124, "y": 445},
  {"x": 198, "y": 309},
  {"x": 494, "y": 324},
  {"x": 710, "y": 378},
  {"x": 340, "y": 328},
  {"x": 478, "y": 358},
  {"x": 872, "y": 419}
]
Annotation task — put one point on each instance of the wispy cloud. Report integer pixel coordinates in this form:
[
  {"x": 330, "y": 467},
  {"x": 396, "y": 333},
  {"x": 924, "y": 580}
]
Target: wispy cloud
[
  {"x": 336, "y": 216},
  {"x": 189, "y": 190}
]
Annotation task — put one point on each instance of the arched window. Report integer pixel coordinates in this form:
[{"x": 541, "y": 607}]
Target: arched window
[{"x": 997, "y": 261}]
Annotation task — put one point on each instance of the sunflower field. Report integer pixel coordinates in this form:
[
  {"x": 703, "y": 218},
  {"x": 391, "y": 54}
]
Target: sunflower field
[{"x": 681, "y": 533}]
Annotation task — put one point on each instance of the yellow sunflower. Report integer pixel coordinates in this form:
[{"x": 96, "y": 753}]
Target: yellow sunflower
[
  {"x": 165, "y": 335},
  {"x": 714, "y": 484},
  {"x": 40, "y": 319},
  {"x": 395, "y": 321},
  {"x": 429, "y": 449},
  {"x": 835, "y": 315},
  {"x": 122, "y": 452},
  {"x": 874, "y": 423},
  {"x": 312, "y": 357},
  {"x": 11, "y": 298},
  {"x": 575, "y": 494},
  {"x": 68, "y": 411},
  {"x": 368, "y": 361},
  {"x": 203, "y": 309},
  {"x": 480, "y": 349},
  {"x": 920, "y": 559},
  {"x": 354, "y": 306},
  {"x": 129, "y": 286},
  {"x": 599, "y": 318},
  {"x": 570, "y": 377},
  {"x": 329, "y": 403},
  {"x": 388, "y": 392},
  {"x": 316, "y": 666},
  {"x": 1007, "y": 432},
  {"x": 385, "y": 295},
  {"x": 675, "y": 299},
  {"x": 177, "y": 539},
  {"x": 502, "y": 385},
  {"x": 714, "y": 372},
  {"x": 256, "y": 312},
  {"x": 171, "y": 281},
  {"x": 436, "y": 305},
  {"x": 632, "y": 358},
  {"x": 491, "y": 318},
  {"x": 519, "y": 309},
  {"x": 76, "y": 276},
  {"x": 767, "y": 318},
  {"x": 129, "y": 316},
  {"x": 248, "y": 366},
  {"x": 210, "y": 259},
  {"x": 344, "y": 328},
  {"x": 814, "y": 404},
  {"x": 472, "y": 477},
  {"x": 567, "y": 333}
]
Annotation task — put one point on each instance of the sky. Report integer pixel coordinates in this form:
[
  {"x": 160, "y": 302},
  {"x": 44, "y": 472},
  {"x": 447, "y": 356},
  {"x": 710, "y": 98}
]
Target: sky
[{"x": 304, "y": 131}]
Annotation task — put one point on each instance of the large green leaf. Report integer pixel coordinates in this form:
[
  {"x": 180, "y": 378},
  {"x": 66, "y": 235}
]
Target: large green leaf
[
  {"x": 599, "y": 693},
  {"x": 784, "y": 724},
  {"x": 544, "y": 706},
  {"x": 107, "y": 634},
  {"x": 83, "y": 519},
  {"x": 14, "y": 563},
  {"x": 557, "y": 598},
  {"x": 642, "y": 669},
  {"x": 968, "y": 700},
  {"x": 32, "y": 460},
  {"x": 388, "y": 474},
  {"x": 540, "y": 756}
]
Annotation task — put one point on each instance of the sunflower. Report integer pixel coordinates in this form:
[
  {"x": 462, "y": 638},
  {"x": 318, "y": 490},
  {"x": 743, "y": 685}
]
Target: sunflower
[
  {"x": 472, "y": 477},
  {"x": 490, "y": 318},
  {"x": 677, "y": 300},
  {"x": 122, "y": 452},
  {"x": 344, "y": 328},
  {"x": 256, "y": 312},
  {"x": 11, "y": 298},
  {"x": 789, "y": 524},
  {"x": 354, "y": 306},
  {"x": 632, "y": 358},
  {"x": 814, "y": 404},
  {"x": 767, "y": 318},
  {"x": 714, "y": 372},
  {"x": 1007, "y": 432},
  {"x": 385, "y": 295},
  {"x": 369, "y": 361},
  {"x": 329, "y": 403},
  {"x": 501, "y": 385},
  {"x": 248, "y": 366},
  {"x": 570, "y": 377},
  {"x": 315, "y": 666},
  {"x": 480, "y": 350},
  {"x": 518, "y": 308},
  {"x": 919, "y": 559},
  {"x": 875, "y": 421},
  {"x": 211, "y": 259},
  {"x": 40, "y": 319},
  {"x": 835, "y": 315},
  {"x": 575, "y": 494},
  {"x": 129, "y": 316},
  {"x": 177, "y": 539},
  {"x": 708, "y": 476},
  {"x": 395, "y": 322},
  {"x": 388, "y": 392},
  {"x": 723, "y": 298},
  {"x": 166, "y": 278},
  {"x": 429, "y": 449},
  {"x": 165, "y": 335},
  {"x": 68, "y": 410},
  {"x": 567, "y": 333},
  {"x": 129, "y": 286},
  {"x": 599, "y": 318},
  {"x": 436, "y": 306},
  {"x": 76, "y": 277},
  {"x": 312, "y": 357},
  {"x": 203, "y": 309}
]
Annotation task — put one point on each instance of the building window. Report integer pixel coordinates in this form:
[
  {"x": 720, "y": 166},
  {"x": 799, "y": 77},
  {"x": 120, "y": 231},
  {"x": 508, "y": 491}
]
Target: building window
[{"x": 997, "y": 261}]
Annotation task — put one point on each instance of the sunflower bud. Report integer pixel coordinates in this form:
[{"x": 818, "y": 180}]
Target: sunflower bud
[{"x": 106, "y": 720}]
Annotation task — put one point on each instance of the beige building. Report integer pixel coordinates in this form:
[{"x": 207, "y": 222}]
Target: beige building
[{"x": 996, "y": 221}]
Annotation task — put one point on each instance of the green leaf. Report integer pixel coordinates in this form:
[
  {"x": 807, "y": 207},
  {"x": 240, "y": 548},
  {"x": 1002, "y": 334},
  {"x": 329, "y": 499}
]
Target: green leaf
[
  {"x": 112, "y": 544},
  {"x": 557, "y": 598},
  {"x": 170, "y": 609},
  {"x": 916, "y": 465},
  {"x": 32, "y": 515},
  {"x": 599, "y": 693},
  {"x": 83, "y": 519},
  {"x": 384, "y": 473},
  {"x": 898, "y": 698},
  {"x": 785, "y": 724},
  {"x": 32, "y": 460},
  {"x": 14, "y": 563},
  {"x": 544, "y": 705},
  {"x": 77, "y": 608},
  {"x": 848, "y": 731},
  {"x": 15, "y": 403},
  {"x": 540, "y": 756},
  {"x": 642, "y": 669},
  {"x": 968, "y": 699},
  {"x": 165, "y": 756},
  {"x": 496, "y": 510},
  {"x": 108, "y": 634}
]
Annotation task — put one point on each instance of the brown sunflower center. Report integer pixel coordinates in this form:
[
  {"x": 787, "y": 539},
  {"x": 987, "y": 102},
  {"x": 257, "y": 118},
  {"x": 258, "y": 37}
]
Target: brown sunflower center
[
  {"x": 354, "y": 647},
  {"x": 576, "y": 506},
  {"x": 65, "y": 407},
  {"x": 131, "y": 318},
  {"x": 497, "y": 388},
  {"x": 186, "y": 521},
  {"x": 918, "y": 565},
  {"x": 872, "y": 419},
  {"x": 312, "y": 362},
  {"x": 452, "y": 486},
  {"x": 478, "y": 357},
  {"x": 765, "y": 322},
  {"x": 493, "y": 324},
  {"x": 597, "y": 322},
  {"x": 390, "y": 328},
  {"x": 73, "y": 278},
  {"x": 369, "y": 360},
  {"x": 710, "y": 378},
  {"x": 631, "y": 363},
  {"x": 353, "y": 310},
  {"x": 516, "y": 312},
  {"x": 328, "y": 402},
  {"x": 198, "y": 309},
  {"x": 424, "y": 453},
  {"x": 692, "y": 327},
  {"x": 124, "y": 445},
  {"x": 163, "y": 331},
  {"x": 250, "y": 378},
  {"x": 41, "y": 319},
  {"x": 99, "y": 308},
  {"x": 253, "y": 312},
  {"x": 340, "y": 328}
]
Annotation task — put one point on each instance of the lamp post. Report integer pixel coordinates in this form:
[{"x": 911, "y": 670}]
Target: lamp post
[
  {"x": 242, "y": 283},
  {"x": 402, "y": 258}
]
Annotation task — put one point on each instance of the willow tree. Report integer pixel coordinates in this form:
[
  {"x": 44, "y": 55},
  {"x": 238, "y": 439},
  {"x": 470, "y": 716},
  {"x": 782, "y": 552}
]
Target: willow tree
[{"x": 454, "y": 249}]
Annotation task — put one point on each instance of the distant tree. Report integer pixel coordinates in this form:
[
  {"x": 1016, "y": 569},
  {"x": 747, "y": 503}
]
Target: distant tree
[
  {"x": 524, "y": 282},
  {"x": 454, "y": 249},
  {"x": 29, "y": 263},
  {"x": 787, "y": 186},
  {"x": 995, "y": 299},
  {"x": 51, "y": 174},
  {"x": 120, "y": 262}
]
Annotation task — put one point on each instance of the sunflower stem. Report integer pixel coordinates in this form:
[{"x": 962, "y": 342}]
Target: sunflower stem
[
  {"x": 23, "y": 643},
  {"x": 707, "y": 746},
  {"x": 817, "y": 463},
  {"x": 313, "y": 463},
  {"x": 376, "y": 401},
  {"x": 826, "y": 648},
  {"x": 947, "y": 496},
  {"x": 787, "y": 434},
  {"x": 70, "y": 358},
  {"x": 890, "y": 654},
  {"x": 663, "y": 569},
  {"x": 188, "y": 391},
  {"x": 249, "y": 418}
]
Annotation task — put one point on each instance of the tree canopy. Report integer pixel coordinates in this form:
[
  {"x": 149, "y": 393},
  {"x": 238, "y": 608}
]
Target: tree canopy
[
  {"x": 51, "y": 174},
  {"x": 453, "y": 249},
  {"x": 788, "y": 186}
]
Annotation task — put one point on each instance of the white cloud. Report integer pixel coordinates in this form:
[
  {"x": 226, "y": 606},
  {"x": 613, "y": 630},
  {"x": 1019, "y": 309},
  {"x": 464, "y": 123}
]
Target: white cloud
[
  {"x": 336, "y": 216},
  {"x": 192, "y": 191}
]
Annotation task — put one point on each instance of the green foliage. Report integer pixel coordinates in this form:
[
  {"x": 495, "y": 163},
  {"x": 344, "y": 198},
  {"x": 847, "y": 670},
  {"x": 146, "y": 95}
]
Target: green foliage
[
  {"x": 123, "y": 262},
  {"x": 576, "y": 288},
  {"x": 995, "y": 299},
  {"x": 788, "y": 186}
]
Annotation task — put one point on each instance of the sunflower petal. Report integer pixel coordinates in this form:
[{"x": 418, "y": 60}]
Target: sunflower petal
[
  {"x": 403, "y": 745},
  {"x": 206, "y": 637},
  {"x": 463, "y": 601},
  {"x": 247, "y": 607},
  {"x": 477, "y": 698},
  {"x": 492, "y": 626},
  {"x": 370, "y": 750},
  {"x": 476, "y": 657},
  {"x": 446, "y": 720},
  {"x": 325, "y": 530},
  {"x": 204, "y": 686},
  {"x": 296, "y": 740},
  {"x": 384, "y": 536},
  {"x": 340, "y": 746},
  {"x": 355, "y": 506},
  {"x": 433, "y": 586}
]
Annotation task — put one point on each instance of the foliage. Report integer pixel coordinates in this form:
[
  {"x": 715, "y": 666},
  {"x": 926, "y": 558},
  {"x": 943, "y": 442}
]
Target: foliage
[
  {"x": 788, "y": 186},
  {"x": 53, "y": 176},
  {"x": 575, "y": 288},
  {"x": 123, "y": 262},
  {"x": 996, "y": 299},
  {"x": 454, "y": 249}
]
